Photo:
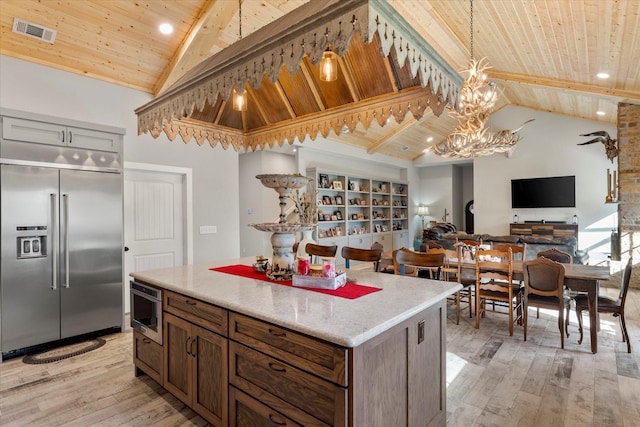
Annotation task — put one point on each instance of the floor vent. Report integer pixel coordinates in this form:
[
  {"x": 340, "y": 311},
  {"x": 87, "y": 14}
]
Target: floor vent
[{"x": 33, "y": 30}]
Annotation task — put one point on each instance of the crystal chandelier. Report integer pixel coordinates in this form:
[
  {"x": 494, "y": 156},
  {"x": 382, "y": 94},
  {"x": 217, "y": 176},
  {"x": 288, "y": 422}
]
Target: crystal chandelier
[{"x": 478, "y": 96}]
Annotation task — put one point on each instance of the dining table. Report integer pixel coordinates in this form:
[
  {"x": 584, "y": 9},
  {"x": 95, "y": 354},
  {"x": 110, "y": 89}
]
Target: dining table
[
  {"x": 580, "y": 278},
  {"x": 577, "y": 277}
]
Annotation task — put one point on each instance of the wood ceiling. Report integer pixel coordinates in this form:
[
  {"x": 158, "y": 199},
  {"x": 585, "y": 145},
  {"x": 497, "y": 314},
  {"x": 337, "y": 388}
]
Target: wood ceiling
[{"x": 545, "y": 54}]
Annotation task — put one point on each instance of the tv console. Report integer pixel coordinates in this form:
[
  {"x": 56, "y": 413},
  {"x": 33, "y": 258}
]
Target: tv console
[{"x": 547, "y": 229}]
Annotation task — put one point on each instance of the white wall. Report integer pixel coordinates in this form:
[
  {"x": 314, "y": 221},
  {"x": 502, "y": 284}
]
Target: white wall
[
  {"x": 548, "y": 148},
  {"x": 259, "y": 204},
  {"x": 38, "y": 89}
]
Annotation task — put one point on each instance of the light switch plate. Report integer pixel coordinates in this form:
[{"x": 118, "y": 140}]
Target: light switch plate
[{"x": 208, "y": 229}]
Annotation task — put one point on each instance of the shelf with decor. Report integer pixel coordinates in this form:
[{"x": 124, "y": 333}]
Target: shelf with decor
[
  {"x": 330, "y": 193},
  {"x": 400, "y": 206},
  {"x": 360, "y": 210}
]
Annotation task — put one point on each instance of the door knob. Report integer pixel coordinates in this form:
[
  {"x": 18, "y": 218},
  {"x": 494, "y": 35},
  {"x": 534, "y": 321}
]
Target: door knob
[{"x": 126, "y": 248}]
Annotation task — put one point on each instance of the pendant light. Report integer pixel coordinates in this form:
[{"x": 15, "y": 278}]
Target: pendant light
[
  {"x": 329, "y": 66},
  {"x": 240, "y": 98}
]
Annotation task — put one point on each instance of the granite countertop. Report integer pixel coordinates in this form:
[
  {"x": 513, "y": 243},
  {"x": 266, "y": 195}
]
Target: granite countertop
[{"x": 341, "y": 321}]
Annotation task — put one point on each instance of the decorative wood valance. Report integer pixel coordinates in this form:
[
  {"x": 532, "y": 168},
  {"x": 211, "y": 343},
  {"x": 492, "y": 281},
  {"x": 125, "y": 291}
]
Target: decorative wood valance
[{"x": 385, "y": 70}]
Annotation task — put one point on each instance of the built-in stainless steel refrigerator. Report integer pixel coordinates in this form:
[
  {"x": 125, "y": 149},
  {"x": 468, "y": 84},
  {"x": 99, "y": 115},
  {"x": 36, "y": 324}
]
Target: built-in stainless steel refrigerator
[{"x": 61, "y": 236}]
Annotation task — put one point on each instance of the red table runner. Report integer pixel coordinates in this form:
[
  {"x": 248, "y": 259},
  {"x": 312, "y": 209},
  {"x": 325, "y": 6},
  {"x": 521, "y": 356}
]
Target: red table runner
[{"x": 349, "y": 290}]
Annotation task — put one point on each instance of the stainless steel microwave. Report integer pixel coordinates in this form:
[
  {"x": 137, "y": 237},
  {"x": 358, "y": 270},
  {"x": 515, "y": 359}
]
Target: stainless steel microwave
[{"x": 146, "y": 311}]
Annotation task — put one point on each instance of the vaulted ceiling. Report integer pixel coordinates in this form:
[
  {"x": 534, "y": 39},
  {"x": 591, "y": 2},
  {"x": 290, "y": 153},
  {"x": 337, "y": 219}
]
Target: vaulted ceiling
[{"x": 545, "y": 54}]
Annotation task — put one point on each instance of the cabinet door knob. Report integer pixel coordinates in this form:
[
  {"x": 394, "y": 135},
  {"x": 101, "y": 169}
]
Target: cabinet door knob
[
  {"x": 277, "y": 367},
  {"x": 277, "y": 333},
  {"x": 276, "y": 420}
]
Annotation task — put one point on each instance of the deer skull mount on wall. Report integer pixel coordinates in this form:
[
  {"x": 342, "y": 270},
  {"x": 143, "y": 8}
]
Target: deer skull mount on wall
[{"x": 609, "y": 144}]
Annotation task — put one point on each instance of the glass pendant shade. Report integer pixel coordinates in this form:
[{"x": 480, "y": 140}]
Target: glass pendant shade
[
  {"x": 240, "y": 100},
  {"x": 328, "y": 67}
]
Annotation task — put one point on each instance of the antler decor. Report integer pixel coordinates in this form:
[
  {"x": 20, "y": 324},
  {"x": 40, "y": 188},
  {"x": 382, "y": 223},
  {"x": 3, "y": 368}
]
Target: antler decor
[{"x": 609, "y": 144}]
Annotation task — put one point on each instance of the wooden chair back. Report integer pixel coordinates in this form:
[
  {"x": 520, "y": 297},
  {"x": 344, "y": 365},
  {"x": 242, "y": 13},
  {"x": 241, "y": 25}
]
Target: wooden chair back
[
  {"x": 403, "y": 257},
  {"x": 517, "y": 250},
  {"x": 624, "y": 284},
  {"x": 492, "y": 265},
  {"x": 543, "y": 277},
  {"x": 556, "y": 255},
  {"x": 320, "y": 250},
  {"x": 357, "y": 254},
  {"x": 450, "y": 270}
]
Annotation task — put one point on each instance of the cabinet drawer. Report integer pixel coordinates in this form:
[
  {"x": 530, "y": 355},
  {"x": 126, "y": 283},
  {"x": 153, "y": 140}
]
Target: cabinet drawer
[
  {"x": 245, "y": 411},
  {"x": 201, "y": 313},
  {"x": 147, "y": 356},
  {"x": 323, "y": 359},
  {"x": 295, "y": 393}
]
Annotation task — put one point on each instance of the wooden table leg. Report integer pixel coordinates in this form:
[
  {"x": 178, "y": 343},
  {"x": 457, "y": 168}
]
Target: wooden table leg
[
  {"x": 592, "y": 295},
  {"x": 477, "y": 306}
]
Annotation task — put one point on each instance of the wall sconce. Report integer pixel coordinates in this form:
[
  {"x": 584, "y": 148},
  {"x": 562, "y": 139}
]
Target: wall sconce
[
  {"x": 240, "y": 100},
  {"x": 328, "y": 66},
  {"x": 423, "y": 211}
]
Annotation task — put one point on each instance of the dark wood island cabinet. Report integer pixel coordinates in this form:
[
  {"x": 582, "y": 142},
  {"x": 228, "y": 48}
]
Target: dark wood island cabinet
[{"x": 252, "y": 366}]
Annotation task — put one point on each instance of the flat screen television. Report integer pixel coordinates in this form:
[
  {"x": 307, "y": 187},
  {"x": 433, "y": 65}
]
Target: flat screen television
[{"x": 550, "y": 192}]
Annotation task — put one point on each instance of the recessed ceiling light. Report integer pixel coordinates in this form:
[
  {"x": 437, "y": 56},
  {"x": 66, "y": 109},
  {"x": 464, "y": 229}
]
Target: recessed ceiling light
[
  {"x": 405, "y": 148},
  {"x": 166, "y": 28},
  {"x": 603, "y": 75},
  {"x": 430, "y": 139},
  {"x": 600, "y": 113},
  {"x": 294, "y": 150}
]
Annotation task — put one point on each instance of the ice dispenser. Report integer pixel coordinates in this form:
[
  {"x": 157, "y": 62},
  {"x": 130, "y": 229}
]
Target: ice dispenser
[{"x": 33, "y": 245}]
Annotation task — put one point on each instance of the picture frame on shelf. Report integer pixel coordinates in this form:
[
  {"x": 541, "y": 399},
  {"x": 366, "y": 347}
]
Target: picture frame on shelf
[
  {"x": 374, "y": 202},
  {"x": 378, "y": 228},
  {"x": 326, "y": 200},
  {"x": 336, "y": 185},
  {"x": 384, "y": 228},
  {"x": 320, "y": 216},
  {"x": 354, "y": 217},
  {"x": 404, "y": 203},
  {"x": 383, "y": 188},
  {"x": 363, "y": 202},
  {"x": 334, "y": 217},
  {"x": 338, "y": 215},
  {"x": 339, "y": 200},
  {"x": 338, "y": 231},
  {"x": 323, "y": 180},
  {"x": 321, "y": 233},
  {"x": 354, "y": 186},
  {"x": 327, "y": 217},
  {"x": 361, "y": 216},
  {"x": 385, "y": 203},
  {"x": 352, "y": 201}
]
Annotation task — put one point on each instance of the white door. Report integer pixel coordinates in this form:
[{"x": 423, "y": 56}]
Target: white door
[{"x": 154, "y": 225}]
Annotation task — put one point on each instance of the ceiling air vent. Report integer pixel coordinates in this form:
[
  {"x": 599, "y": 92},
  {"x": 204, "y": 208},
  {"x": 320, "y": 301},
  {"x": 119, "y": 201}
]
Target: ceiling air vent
[{"x": 34, "y": 30}]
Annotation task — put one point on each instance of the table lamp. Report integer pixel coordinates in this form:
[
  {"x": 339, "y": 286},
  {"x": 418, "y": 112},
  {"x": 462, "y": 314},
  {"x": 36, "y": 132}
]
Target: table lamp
[{"x": 423, "y": 211}]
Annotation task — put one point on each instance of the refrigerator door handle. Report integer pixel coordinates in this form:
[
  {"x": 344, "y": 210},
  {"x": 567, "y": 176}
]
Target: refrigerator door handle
[
  {"x": 54, "y": 240},
  {"x": 65, "y": 200}
]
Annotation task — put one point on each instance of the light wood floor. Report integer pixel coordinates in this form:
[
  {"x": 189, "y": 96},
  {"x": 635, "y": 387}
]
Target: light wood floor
[{"x": 493, "y": 380}]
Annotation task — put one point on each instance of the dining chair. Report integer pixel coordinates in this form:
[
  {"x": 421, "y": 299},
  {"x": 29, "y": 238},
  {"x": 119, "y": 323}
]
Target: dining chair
[
  {"x": 557, "y": 256},
  {"x": 365, "y": 255},
  {"x": 321, "y": 251},
  {"x": 517, "y": 250},
  {"x": 468, "y": 247},
  {"x": 452, "y": 272},
  {"x": 544, "y": 288},
  {"x": 404, "y": 257},
  {"x": 609, "y": 305},
  {"x": 494, "y": 283}
]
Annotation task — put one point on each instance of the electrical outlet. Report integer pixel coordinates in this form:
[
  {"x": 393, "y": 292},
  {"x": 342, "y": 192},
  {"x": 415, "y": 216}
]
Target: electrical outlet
[{"x": 208, "y": 229}]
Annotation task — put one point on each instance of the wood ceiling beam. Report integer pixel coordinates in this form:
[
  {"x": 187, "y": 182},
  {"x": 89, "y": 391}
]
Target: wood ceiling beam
[
  {"x": 284, "y": 98},
  {"x": 308, "y": 77},
  {"x": 377, "y": 145},
  {"x": 392, "y": 77},
  {"x": 214, "y": 16},
  {"x": 565, "y": 85},
  {"x": 253, "y": 98},
  {"x": 348, "y": 78}
]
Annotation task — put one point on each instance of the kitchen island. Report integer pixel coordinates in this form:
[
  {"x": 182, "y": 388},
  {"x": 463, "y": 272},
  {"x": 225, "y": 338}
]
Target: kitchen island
[{"x": 242, "y": 351}]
